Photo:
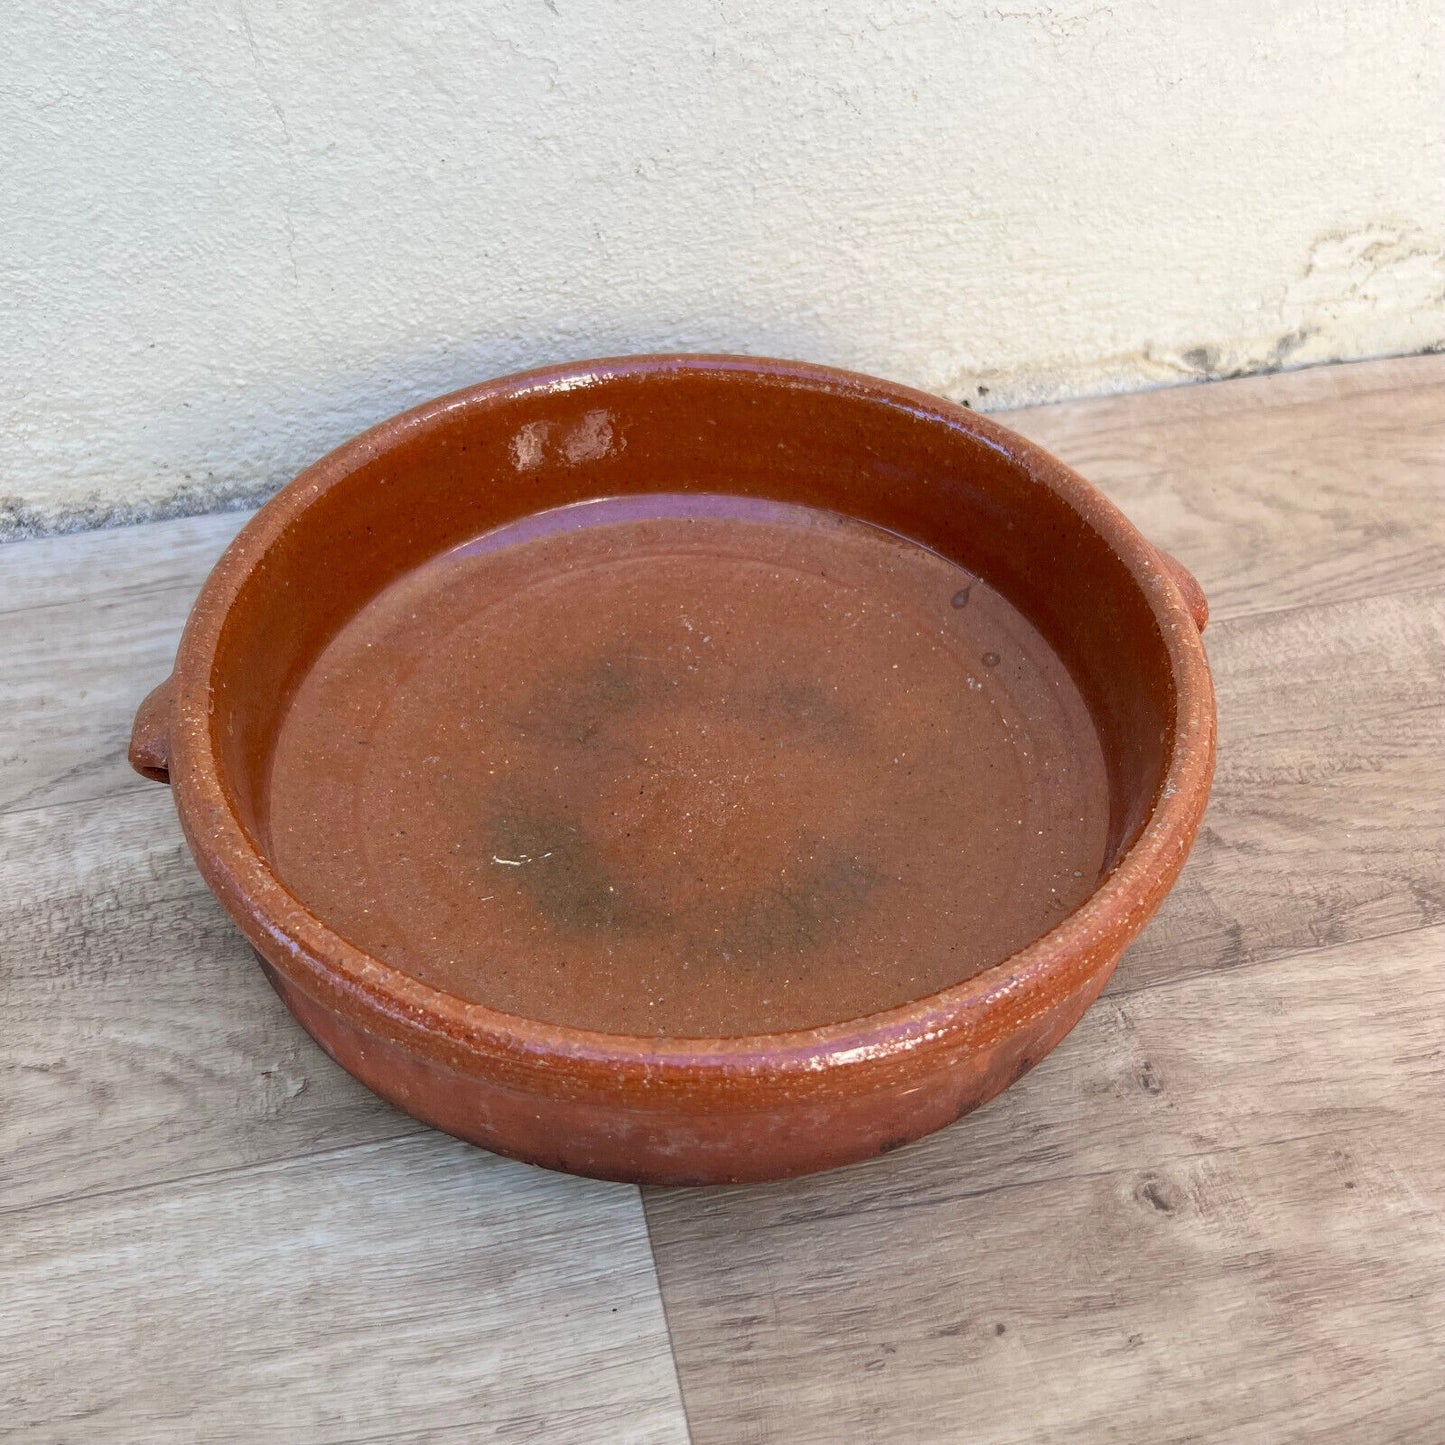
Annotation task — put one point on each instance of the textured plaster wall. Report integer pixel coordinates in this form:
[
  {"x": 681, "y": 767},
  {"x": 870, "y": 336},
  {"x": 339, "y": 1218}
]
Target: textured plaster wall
[{"x": 234, "y": 232}]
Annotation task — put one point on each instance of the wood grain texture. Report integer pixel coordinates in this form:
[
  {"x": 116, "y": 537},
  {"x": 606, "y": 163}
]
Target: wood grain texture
[
  {"x": 1275, "y": 491},
  {"x": 90, "y": 625},
  {"x": 414, "y": 1289},
  {"x": 1327, "y": 819},
  {"x": 142, "y": 1041},
  {"x": 114, "y": 561},
  {"x": 1217, "y": 1211},
  {"x": 1204, "y": 1217}
]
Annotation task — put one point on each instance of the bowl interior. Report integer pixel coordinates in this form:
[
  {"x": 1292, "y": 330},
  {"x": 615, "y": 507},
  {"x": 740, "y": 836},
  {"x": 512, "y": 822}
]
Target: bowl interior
[{"x": 689, "y": 578}]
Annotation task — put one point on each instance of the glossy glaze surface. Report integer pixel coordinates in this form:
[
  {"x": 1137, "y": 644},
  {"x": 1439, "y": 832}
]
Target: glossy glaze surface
[
  {"x": 688, "y": 765},
  {"x": 1123, "y": 619}
]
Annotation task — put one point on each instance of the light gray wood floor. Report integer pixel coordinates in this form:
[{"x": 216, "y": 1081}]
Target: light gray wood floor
[{"x": 1216, "y": 1212}]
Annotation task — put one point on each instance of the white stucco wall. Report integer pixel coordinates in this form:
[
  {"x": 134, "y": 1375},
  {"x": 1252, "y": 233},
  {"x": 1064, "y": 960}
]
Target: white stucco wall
[{"x": 234, "y": 232}]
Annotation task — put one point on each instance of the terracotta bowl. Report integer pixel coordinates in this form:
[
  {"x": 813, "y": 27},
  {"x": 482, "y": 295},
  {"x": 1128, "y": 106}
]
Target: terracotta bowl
[{"x": 688, "y": 768}]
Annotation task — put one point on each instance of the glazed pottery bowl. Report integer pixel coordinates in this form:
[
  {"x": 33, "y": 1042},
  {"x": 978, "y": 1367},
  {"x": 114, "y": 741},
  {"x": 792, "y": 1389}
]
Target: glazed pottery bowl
[{"x": 688, "y": 768}]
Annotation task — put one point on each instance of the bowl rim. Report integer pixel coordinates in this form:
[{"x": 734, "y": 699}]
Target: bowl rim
[{"x": 974, "y": 1013}]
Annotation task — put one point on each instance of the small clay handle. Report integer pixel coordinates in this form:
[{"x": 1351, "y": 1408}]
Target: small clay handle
[
  {"x": 150, "y": 738},
  {"x": 1186, "y": 582}
]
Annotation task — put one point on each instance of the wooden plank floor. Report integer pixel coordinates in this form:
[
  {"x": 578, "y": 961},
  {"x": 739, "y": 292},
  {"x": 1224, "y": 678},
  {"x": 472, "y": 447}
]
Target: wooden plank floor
[{"x": 1217, "y": 1211}]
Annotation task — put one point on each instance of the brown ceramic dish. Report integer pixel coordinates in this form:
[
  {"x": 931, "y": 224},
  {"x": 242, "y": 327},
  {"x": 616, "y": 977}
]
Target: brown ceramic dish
[{"x": 688, "y": 768}]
